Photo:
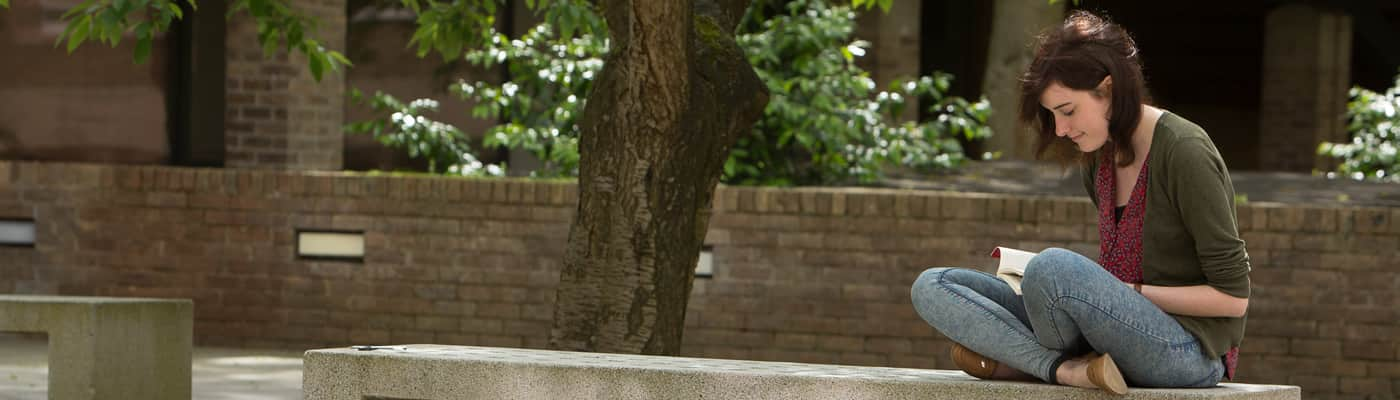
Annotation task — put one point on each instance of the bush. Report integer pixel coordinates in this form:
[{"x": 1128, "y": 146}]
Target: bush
[
  {"x": 1374, "y": 127},
  {"x": 825, "y": 122},
  {"x": 550, "y": 75},
  {"x": 404, "y": 127}
]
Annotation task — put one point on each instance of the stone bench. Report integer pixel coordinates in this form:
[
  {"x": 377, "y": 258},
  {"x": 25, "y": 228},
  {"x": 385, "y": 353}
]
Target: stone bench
[
  {"x": 436, "y": 372},
  {"x": 107, "y": 347}
]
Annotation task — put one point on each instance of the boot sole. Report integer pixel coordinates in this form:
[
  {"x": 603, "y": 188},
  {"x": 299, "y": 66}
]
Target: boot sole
[{"x": 1104, "y": 373}]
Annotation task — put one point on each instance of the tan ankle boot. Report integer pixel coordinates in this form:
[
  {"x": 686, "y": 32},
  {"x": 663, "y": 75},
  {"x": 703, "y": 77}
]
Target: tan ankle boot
[
  {"x": 972, "y": 363},
  {"x": 1103, "y": 372}
]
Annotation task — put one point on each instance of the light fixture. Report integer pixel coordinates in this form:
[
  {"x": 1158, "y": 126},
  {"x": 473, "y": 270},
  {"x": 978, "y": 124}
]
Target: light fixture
[
  {"x": 17, "y": 232},
  {"x": 705, "y": 267},
  {"x": 330, "y": 245}
]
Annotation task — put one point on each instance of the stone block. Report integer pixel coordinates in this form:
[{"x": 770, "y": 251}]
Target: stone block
[{"x": 109, "y": 347}]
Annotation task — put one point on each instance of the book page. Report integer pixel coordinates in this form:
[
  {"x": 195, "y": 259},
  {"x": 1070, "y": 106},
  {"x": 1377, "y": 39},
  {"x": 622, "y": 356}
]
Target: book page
[{"x": 1013, "y": 261}]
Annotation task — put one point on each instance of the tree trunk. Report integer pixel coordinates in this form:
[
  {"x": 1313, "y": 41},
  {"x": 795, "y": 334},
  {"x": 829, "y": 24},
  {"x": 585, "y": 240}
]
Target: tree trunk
[{"x": 674, "y": 96}]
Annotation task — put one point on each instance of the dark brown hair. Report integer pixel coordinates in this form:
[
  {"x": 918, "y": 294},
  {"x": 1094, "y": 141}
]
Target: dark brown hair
[{"x": 1079, "y": 54}]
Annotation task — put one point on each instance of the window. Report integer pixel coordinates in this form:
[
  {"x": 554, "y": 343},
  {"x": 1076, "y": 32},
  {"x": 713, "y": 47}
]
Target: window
[{"x": 94, "y": 105}]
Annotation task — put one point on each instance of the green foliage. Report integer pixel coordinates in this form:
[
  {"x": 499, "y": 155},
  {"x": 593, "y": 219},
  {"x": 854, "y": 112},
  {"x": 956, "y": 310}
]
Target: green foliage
[
  {"x": 884, "y": 4},
  {"x": 449, "y": 28},
  {"x": 1374, "y": 127},
  {"x": 539, "y": 107},
  {"x": 279, "y": 25},
  {"x": 403, "y": 126},
  {"x": 106, "y": 21},
  {"x": 443, "y": 26},
  {"x": 826, "y": 123},
  {"x": 550, "y": 76}
]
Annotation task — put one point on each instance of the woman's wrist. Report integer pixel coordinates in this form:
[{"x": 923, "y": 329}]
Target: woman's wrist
[{"x": 1137, "y": 286}]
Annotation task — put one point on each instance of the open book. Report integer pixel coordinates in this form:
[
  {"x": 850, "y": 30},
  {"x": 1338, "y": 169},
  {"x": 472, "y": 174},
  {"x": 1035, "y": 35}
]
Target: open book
[{"x": 1012, "y": 265}]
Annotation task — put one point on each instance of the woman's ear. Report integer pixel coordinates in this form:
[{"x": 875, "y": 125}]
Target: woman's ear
[
  {"x": 1105, "y": 87},
  {"x": 1105, "y": 91}
]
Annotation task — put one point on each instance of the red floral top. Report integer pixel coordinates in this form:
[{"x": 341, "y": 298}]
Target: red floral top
[{"x": 1120, "y": 239}]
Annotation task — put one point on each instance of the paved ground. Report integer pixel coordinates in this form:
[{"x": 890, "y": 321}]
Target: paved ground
[{"x": 219, "y": 373}]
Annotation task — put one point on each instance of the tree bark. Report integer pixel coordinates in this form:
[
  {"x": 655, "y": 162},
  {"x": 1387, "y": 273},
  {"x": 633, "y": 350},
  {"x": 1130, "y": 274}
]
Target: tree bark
[
  {"x": 1014, "y": 23},
  {"x": 675, "y": 94}
]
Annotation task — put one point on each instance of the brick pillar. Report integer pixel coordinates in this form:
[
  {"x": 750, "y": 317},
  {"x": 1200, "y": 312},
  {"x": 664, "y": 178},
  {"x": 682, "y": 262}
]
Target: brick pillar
[
  {"x": 1015, "y": 24},
  {"x": 895, "y": 46},
  {"x": 277, "y": 116},
  {"x": 1307, "y": 66}
]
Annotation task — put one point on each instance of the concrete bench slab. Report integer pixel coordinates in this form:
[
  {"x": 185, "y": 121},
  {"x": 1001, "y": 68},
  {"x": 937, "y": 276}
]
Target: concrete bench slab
[
  {"x": 109, "y": 347},
  {"x": 437, "y": 372}
]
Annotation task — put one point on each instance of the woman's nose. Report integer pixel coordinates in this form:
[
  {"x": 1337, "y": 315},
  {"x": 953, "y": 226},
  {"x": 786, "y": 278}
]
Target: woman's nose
[{"x": 1061, "y": 128}]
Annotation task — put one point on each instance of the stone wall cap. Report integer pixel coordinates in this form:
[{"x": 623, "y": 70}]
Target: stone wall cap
[{"x": 750, "y": 379}]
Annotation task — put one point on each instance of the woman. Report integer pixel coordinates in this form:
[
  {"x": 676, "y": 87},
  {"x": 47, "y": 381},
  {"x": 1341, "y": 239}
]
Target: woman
[{"x": 1165, "y": 304}]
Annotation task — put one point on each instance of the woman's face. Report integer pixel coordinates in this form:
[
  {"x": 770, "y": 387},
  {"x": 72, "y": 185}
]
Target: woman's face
[{"x": 1080, "y": 116}]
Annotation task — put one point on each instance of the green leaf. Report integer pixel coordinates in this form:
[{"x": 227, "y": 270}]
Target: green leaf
[
  {"x": 269, "y": 38},
  {"x": 5, "y": 3},
  {"x": 67, "y": 32},
  {"x": 85, "y": 7},
  {"x": 143, "y": 50},
  {"x": 108, "y": 27},
  {"x": 259, "y": 7},
  {"x": 144, "y": 38},
  {"x": 80, "y": 33},
  {"x": 317, "y": 62},
  {"x": 294, "y": 35},
  {"x": 339, "y": 58}
]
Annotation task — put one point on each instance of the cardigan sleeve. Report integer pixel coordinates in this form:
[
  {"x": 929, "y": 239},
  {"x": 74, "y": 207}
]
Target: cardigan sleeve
[{"x": 1200, "y": 186}]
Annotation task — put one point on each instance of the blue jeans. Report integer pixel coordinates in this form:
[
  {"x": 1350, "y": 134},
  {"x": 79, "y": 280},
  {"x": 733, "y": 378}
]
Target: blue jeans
[{"x": 1070, "y": 306}]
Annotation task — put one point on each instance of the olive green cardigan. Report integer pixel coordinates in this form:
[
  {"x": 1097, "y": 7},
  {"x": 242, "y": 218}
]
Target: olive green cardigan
[{"x": 1189, "y": 236}]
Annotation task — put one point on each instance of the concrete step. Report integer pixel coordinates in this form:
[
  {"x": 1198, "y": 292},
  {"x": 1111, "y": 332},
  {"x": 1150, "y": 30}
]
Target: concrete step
[{"x": 432, "y": 372}]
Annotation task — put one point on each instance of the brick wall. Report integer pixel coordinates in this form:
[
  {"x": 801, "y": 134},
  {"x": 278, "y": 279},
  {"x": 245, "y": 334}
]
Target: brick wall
[
  {"x": 276, "y": 115},
  {"x": 812, "y": 275}
]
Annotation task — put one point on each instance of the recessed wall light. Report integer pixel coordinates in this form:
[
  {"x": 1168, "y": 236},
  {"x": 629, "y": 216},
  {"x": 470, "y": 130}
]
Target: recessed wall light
[
  {"x": 334, "y": 245},
  {"x": 705, "y": 267},
  {"x": 17, "y": 232}
]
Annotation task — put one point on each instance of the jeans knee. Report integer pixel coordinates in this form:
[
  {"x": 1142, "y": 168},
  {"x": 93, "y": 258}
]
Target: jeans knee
[
  {"x": 1052, "y": 266},
  {"x": 931, "y": 296},
  {"x": 928, "y": 277},
  {"x": 927, "y": 282}
]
